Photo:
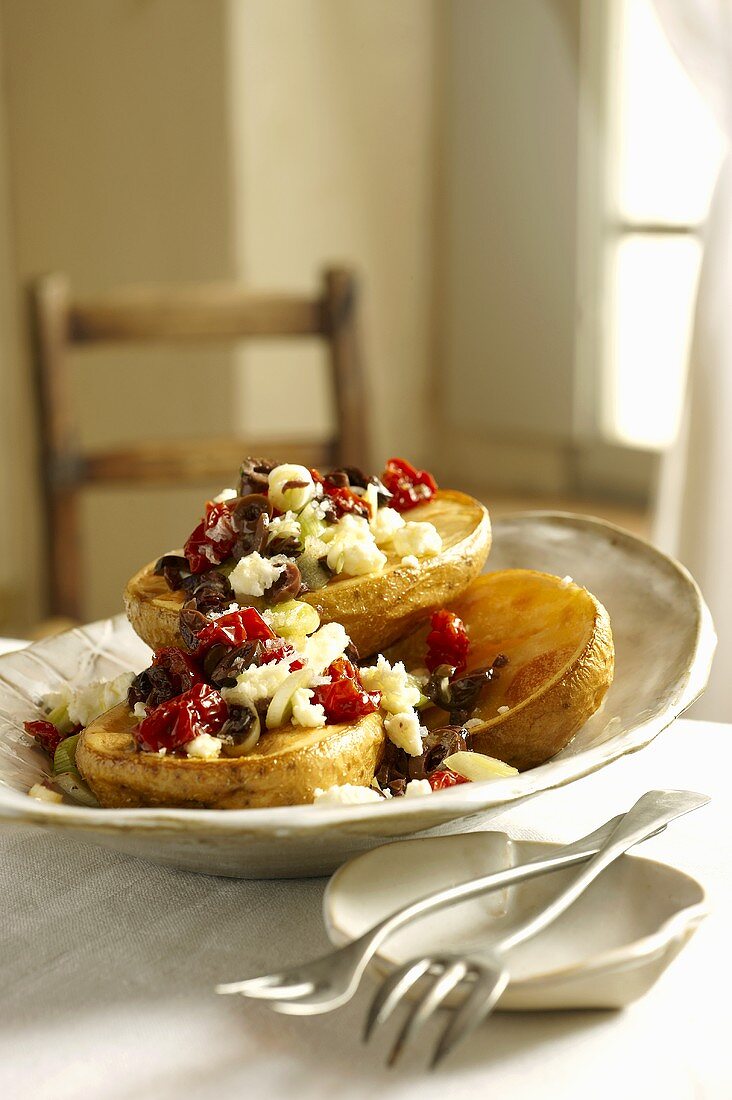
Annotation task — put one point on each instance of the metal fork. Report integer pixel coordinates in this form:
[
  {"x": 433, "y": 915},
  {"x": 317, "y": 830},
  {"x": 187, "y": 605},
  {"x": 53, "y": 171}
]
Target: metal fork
[
  {"x": 325, "y": 983},
  {"x": 649, "y": 815}
]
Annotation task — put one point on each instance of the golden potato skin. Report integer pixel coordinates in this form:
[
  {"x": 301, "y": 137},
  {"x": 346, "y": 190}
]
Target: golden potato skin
[
  {"x": 375, "y": 610},
  {"x": 559, "y": 643},
  {"x": 284, "y": 770}
]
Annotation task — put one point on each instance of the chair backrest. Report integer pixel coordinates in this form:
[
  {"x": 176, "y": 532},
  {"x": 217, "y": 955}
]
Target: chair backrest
[{"x": 175, "y": 315}]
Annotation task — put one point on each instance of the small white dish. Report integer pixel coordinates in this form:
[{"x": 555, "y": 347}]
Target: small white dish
[{"x": 606, "y": 951}]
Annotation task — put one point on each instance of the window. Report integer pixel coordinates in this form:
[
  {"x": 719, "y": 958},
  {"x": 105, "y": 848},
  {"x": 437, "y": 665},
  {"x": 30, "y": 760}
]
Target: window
[{"x": 661, "y": 161}]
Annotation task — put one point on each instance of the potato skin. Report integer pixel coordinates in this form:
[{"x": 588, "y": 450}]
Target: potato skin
[
  {"x": 284, "y": 770},
  {"x": 559, "y": 643},
  {"x": 375, "y": 610}
]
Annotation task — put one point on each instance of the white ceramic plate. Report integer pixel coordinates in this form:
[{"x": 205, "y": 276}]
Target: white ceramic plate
[
  {"x": 664, "y": 642},
  {"x": 607, "y": 949}
]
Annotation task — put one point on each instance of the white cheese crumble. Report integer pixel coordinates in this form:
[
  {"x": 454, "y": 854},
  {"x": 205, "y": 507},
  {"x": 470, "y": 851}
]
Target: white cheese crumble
[
  {"x": 405, "y": 732},
  {"x": 385, "y": 523},
  {"x": 421, "y": 539},
  {"x": 325, "y": 646},
  {"x": 257, "y": 682},
  {"x": 225, "y": 494},
  {"x": 566, "y": 581},
  {"x": 352, "y": 548},
  {"x": 253, "y": 575},
  {"x": 503, "y": 710},
  {"x": 415, "y": 788},
  {"x": 347, "y": 794},
  {"x": 305, "y": 712},
  {"x": 139, "y": 711},
  {"x": 45, "y": 794},
  {"x": 399, "y": 691},
  {"x": 410, "y": 561},
  {"x": 284, "y": 527},
  {"x": 293, "y": 499},
  {"x": 86, "y": 703},
  {"x": 204, "y": 747}
]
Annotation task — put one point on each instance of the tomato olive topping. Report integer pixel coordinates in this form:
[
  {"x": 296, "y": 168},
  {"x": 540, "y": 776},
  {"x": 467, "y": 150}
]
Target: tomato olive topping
[
  {"x": 447, "y": 642},
  {"x": 175, "y": 723},
  {"x": 408, "y": 485}
]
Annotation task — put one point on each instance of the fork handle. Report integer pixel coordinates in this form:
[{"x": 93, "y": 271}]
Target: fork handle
[{"x": 651, "y": 812}]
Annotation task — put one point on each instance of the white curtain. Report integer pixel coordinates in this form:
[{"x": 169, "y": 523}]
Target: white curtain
[{"x": 693, "y": 517}]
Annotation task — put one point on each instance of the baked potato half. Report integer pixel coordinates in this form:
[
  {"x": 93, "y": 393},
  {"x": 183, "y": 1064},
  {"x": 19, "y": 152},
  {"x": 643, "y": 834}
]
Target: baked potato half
[
  {"x": 376, "y": 609},
  {"x": 283, "y": 770},
  {"x": 559, "y": 645}
]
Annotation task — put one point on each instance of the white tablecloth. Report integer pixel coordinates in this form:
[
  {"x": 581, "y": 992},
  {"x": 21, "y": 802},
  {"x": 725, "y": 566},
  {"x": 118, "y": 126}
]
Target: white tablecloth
[{"x": 108, "y": 967}]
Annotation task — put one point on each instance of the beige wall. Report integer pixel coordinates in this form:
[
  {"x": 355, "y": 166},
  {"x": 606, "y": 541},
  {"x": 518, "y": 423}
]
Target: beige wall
[{"x": 334, "y": 123}]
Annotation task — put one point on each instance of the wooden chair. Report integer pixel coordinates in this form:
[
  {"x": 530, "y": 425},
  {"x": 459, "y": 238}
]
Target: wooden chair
[{"x": 182, "y": 314}]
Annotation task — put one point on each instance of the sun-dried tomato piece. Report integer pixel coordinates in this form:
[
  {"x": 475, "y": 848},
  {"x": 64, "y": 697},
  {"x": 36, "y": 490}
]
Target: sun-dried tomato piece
[
  {"x": 444, "y": 778},
  {"x": 212, "y": 541},
  {"x": 344, "y": 699},
  {"x": 232, "y": 629},
  {"x": 408, "y": 485},
  {"x": 175, "y": 723},
  {"x": 447, "y": 642},
  {"x": 46, "y": 734}
]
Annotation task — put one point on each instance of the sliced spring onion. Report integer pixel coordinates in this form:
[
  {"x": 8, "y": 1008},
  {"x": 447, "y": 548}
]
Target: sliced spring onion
[
  {"x": 59, "y": 717},
  {"x": 475, "y": 766},
  {"x": 311, "y": 524},
  {"x": 75, "y": 788},
  {"x": 293, "y": 619},
  {"x": 280, "y": 708},
  {"x": 64, "y": 758}
]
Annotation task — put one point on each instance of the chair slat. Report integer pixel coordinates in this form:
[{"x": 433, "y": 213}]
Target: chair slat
[
  {"x": 193, "y": 313},
  {"x": 162, "y": 463}
]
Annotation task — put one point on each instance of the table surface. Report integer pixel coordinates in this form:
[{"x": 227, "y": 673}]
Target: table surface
[{"x": 108, "y": 966}]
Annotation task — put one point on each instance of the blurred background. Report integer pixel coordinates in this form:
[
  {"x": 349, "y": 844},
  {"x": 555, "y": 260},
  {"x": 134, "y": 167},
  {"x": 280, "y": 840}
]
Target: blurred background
[{"x": 521, "y": 187}]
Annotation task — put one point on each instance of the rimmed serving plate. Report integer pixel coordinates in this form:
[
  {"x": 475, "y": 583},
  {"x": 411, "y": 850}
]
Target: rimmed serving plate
[
  {"x": 607, "y": 950},
  {"x": 664, "y": 641}
]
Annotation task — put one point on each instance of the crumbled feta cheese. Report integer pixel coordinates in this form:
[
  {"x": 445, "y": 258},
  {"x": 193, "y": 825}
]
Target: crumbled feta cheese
[
  {"x": 253, "y": 575},
  {"x": 410, "y": 561},
  {"x": 415, "y": 788},
  {"x": 566, "y": 581},
  {"x": 139, "y": 711},
  {"x": 422, "y": 539},
  {"x": 225, "y": 494},
  {"x": 472, "y": 723},
  {"x": 304, "y": 712},
  {"x": 45, "y": 794},
  {"x": 86, "y": 703},
  {"x": 405, "y": 732},
  {"x": 399, "y": 691},
  {"x": 352, "y": 548},
  {"x": 293, "y": 498},
  {"x": 347, "y": 794},
  {"x": 221, "y": 530},
  {"x": 385, "y": 523},
  {"x": 284, "y": 527},
  {"x": 256, "y": 683},
  {"x": 503, "y": 710},
  {"x": 325, "y": 646},
  {"x": 204, "y": 747}
]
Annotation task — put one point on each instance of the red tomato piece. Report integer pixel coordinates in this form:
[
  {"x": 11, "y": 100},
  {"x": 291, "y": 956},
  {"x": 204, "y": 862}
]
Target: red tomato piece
[
  {"x": 233, "y": 629},
  {"x": 447, "y": 642},
  {"x": 175, "y": 723},
  {"x": 45, "y": 733},
  {"x": 408, "y": 485},
  {"x": 444, "y": 778},
  {"x": 277, "y": 649},
  {"x": 344, "y": 700},
  {"x": 213, "y": 540}
]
